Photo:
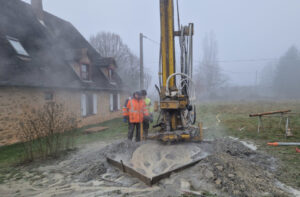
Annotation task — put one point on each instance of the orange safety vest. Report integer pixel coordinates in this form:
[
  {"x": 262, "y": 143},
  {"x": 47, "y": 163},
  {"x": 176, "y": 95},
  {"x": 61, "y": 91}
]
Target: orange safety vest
[
  {"x": 125, "y": 109},
  {"x": 137, "y": 110}
]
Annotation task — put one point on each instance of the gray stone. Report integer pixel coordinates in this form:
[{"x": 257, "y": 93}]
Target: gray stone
[
  {"x": 220, "y": 168},
  {"x": 218, "y": 181},
  {"x": 230, "y": 175},
  {"x": 208, "y": 174}
]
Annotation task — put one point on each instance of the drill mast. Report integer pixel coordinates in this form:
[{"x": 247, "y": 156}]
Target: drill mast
[{"x": 176, "y": 111}]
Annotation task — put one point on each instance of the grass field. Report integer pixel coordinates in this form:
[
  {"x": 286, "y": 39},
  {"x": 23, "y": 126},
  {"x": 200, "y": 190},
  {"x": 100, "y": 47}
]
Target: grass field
[
  {"x": 10, "y": 155},
  {"x": 235, "y": 121}
]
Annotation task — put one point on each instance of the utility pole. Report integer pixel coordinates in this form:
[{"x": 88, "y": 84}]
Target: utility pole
[
  {"x": 256, "y": 83},
  {"x": 141, "y": 62},
  {"x": 256, "y": 78}
]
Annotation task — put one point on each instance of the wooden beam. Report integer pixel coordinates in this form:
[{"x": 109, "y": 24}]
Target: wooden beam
[{"x": 270, "y": 113}]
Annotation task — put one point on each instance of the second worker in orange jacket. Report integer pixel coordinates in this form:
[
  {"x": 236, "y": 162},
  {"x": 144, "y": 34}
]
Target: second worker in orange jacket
[{"x": 136, "y": 111}]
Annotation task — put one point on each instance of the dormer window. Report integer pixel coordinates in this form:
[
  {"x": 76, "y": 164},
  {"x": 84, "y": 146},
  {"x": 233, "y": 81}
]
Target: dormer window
[
  {"x": 18, "y": 47},
  {"x": 42, "y": 23},
  {"x": 84, "y": 72}
]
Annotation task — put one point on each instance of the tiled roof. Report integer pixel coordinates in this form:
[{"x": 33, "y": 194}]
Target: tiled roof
[{"x": 52, "y": 48}]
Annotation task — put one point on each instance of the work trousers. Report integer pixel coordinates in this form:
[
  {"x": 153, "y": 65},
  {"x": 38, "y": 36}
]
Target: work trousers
[
  {"x": 146, "y": 124},
  {"x": 131, "y": 131}
]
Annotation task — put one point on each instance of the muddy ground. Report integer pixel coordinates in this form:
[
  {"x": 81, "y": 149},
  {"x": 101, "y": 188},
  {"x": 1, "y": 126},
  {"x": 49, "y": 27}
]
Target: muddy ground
[{"x": 228, "y": 168}]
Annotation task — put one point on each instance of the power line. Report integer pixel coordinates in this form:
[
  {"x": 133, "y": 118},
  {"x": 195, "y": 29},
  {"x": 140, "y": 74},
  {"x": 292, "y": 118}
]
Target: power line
[
  {"x": 244, "y": 60},
  {"x": 228, "y": 71},
  {"x": 151, "y": 40},
  {"x": 225, "y": 61},
  {"x": 248, "y": 60},
  {"x": 204, "y": 67}
]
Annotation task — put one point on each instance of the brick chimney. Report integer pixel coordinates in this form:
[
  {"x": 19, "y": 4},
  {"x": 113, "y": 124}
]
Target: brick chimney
[{"x": 37, "y": 6}]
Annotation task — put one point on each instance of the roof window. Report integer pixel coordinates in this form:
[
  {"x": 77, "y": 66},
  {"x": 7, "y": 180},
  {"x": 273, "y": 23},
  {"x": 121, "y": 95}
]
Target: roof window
[
  {"x": 42, "y": 23},
  {"x": 15, "y": 43}
]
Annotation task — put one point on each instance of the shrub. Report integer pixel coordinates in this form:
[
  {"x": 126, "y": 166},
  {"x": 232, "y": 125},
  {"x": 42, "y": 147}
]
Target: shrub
[{"x": 46, "y": 131}]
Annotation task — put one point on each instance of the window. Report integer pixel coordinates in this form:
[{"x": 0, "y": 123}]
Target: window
[
  {"x": 84, "y": 72},
  {"x": 42, "y": 23},
  {"x": 114, "y": 102},
  {"x": 89, "y": 104},
  {"x": 17, "y": 46},
  {"x": 48, "y": 96}
]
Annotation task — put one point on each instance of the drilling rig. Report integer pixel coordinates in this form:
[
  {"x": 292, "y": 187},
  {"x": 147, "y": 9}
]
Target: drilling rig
[{"x": 177, "y": 113}]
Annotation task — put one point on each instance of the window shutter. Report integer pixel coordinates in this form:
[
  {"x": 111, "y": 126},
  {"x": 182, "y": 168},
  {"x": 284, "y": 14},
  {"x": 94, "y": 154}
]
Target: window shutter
[
  {"x": 95, "y": 104},
  {"x": 119, "y": 107},
  {"x": 111, "y": 103},
  {"x": 83, "y": 105}
]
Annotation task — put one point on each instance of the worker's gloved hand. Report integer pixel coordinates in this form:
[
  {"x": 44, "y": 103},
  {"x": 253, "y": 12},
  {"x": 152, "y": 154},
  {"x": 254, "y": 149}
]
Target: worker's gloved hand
[{"x": 125, "y": 119}]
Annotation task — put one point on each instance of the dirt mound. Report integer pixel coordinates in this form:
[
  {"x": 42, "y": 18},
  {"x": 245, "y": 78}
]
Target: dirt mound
[
  {"x": 92, "y": 172},
  {"x": 239, "y": 150},
  {"x": 234, "y": 176},
  {"x": 231, "y": 170},
  {"x": 228, "y": 167},
  {"x": 121, "y": 150}
]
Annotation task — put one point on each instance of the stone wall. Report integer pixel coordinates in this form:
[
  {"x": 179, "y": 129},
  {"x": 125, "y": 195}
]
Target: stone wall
[{"x": 13, "y": 101}]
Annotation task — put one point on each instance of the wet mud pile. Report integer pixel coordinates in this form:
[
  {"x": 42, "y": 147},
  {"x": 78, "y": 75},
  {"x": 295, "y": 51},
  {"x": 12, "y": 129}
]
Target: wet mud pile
[{"x": 152, "y": 158}]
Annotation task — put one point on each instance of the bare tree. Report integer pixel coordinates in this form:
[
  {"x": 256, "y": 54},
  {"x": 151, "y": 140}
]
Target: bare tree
[
  {"x": 111, "y": 45},
  {"x": 208, "y": 75}
]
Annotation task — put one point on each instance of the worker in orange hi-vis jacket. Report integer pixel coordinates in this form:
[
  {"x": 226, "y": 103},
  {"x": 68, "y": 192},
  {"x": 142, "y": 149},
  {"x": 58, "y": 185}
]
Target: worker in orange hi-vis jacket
[
  {"x": 125, "y": 111},
  {"x": 136, "y": 112}
]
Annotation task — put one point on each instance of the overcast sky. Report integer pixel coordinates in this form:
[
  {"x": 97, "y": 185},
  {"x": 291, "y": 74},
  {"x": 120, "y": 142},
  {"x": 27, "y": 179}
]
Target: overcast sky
[{"x": 248, "y": 29}]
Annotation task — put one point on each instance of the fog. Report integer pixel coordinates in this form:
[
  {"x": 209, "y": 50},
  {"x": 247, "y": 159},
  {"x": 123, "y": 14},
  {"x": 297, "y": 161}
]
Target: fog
[{"x": 250, "y": 34}]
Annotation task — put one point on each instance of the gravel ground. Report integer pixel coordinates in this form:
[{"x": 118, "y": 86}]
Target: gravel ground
[{"x": 228, "y": 168}]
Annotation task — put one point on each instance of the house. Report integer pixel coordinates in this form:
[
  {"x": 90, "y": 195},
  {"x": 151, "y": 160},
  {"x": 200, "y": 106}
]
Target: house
[{"x": 44, "y": 58}]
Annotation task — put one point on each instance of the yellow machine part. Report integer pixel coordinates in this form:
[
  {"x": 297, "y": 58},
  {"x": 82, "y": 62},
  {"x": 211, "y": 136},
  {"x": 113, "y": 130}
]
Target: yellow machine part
[
  {"x": 172, "y": 103},
  {"x": 167, "y": 40},
  {"x": 173, "y": 137}
]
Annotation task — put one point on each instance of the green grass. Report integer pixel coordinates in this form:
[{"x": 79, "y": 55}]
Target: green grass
[
  {"x": 13, "y": 154},
  {"x": 235, "y": 121},
  {"x": 10, "y": 154},
  {"x": 116, "y": 129}
]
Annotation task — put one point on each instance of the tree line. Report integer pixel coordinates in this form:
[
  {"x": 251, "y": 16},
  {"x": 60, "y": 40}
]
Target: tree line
[{"x": 282, "y": 77}]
